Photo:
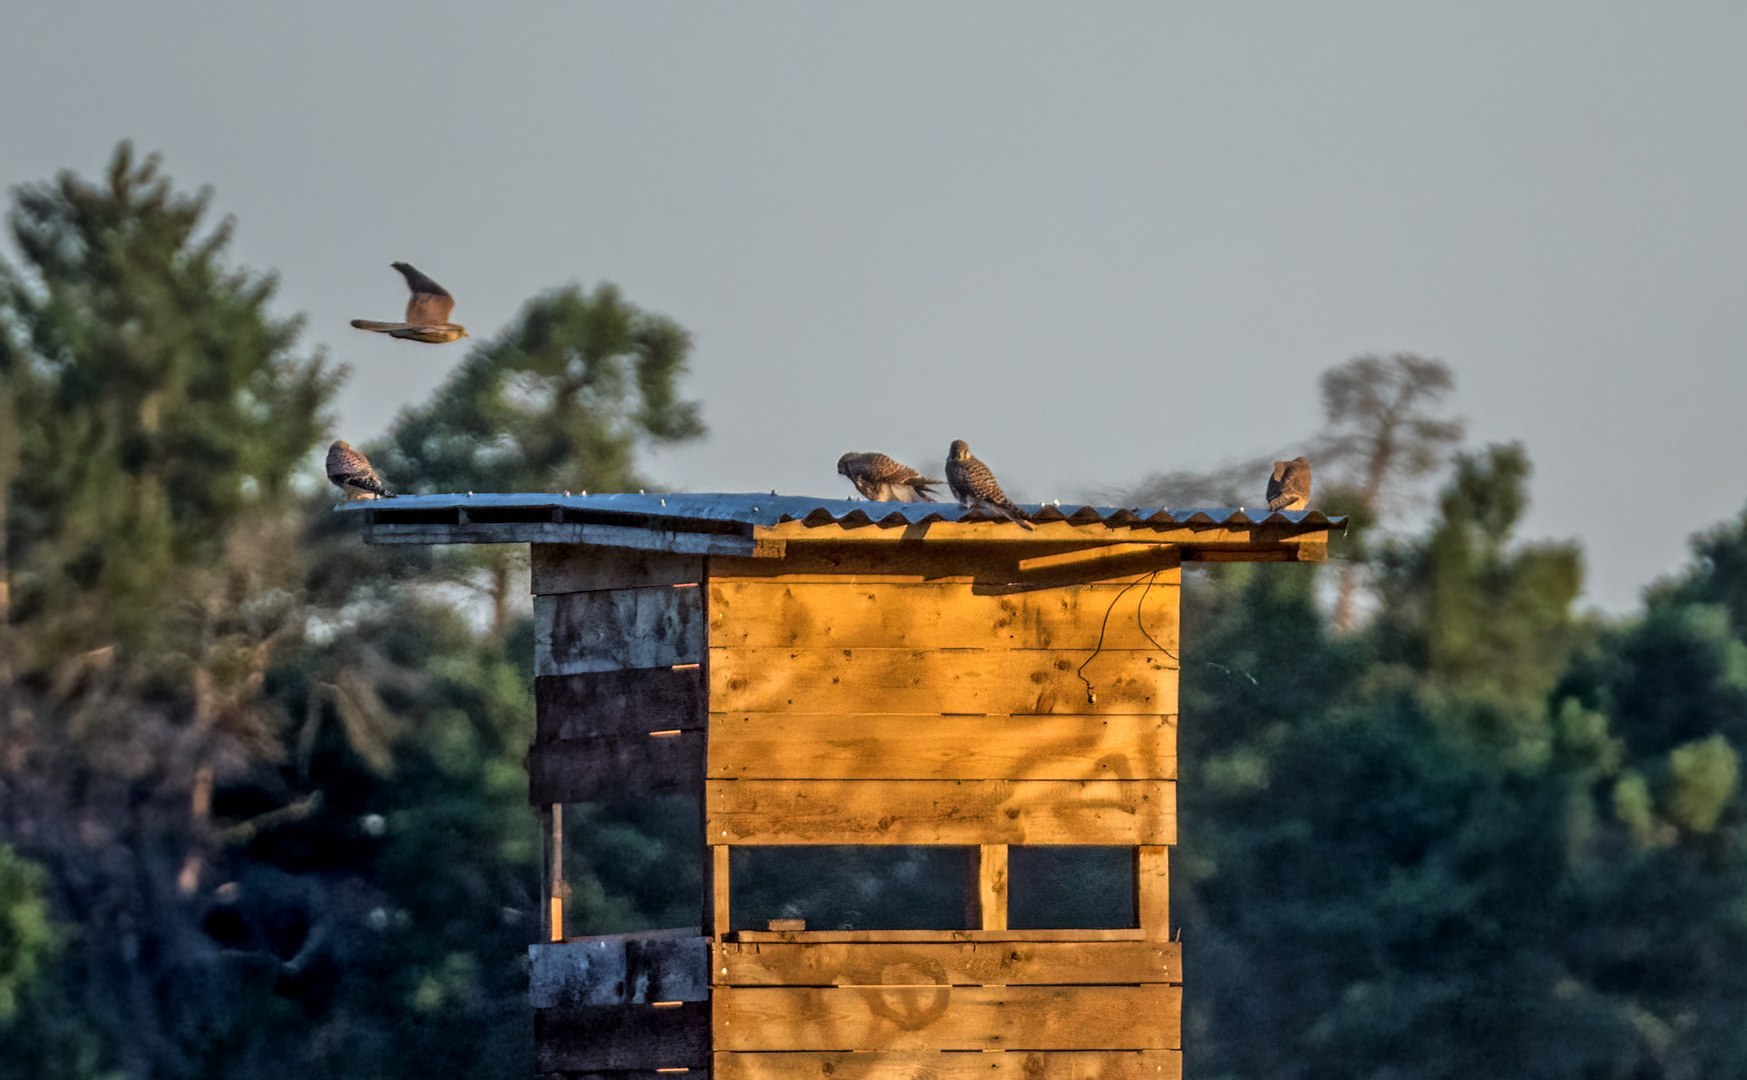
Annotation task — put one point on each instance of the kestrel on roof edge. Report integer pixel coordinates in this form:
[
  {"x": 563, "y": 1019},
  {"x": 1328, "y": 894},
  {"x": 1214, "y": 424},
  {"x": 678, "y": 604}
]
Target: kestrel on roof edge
[
  {"x": 974, "y": 485},
  {"x": 427, "y": 312},
  {"x": 1289, "y": 487},
  {"x": 352, "y": 474},
  {"x": 880, "y": 478}
]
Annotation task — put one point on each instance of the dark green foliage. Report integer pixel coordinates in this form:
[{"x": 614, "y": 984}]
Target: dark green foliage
[
  {"x": 1481, "y": 838},
  {"x": 273, "y": 777}
]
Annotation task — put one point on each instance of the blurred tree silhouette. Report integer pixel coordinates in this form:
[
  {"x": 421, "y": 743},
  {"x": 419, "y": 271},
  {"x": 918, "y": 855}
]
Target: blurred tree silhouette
[{"x": 274, "y": 777}]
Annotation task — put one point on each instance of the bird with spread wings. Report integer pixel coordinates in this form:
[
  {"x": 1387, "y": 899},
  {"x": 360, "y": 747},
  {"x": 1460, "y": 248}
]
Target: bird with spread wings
[{"x": 427, "y": 312}]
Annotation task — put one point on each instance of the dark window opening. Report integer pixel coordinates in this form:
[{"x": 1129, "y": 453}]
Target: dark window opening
[
  {"x": 852, "y": 886},
  {"x": 1071, "y": 888}
]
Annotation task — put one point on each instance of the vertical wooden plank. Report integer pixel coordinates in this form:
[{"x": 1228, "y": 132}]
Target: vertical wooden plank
[
  {"x": 992, "y": 886},
  {"x": 552, "y": 911},
  {"x": 719, "y": 887},
  {"x": 1152, "y": 882}
]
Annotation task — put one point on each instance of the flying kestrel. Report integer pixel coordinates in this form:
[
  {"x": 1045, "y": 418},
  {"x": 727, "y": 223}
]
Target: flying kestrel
[
  {"x": 1289, "y": 487},
  {"x": 974, "y": 485},
  {"x": 880, "y": 478},
  {"x": 427, "y": 313},
  {"x": 351, "y": 473}
]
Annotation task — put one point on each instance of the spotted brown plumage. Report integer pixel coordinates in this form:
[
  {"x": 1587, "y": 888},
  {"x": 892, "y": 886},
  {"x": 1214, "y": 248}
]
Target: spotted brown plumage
[
  {"x": 974, "y": 485},
  {"x": 880, "y": 478},
  {"x": 1289, "y": 487},
  {"x": 427, "y": 312},
  {"x": 352, "y": 473}
]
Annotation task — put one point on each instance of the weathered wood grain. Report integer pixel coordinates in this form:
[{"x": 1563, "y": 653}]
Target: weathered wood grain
[
  {"x": 1143, "y": 1017},
  {"x": 946, "y": 963},
  {"x": 580, "y": 1038},
  {"x": 940, "y": 811},
  {"x": 1132, "y": 933},
  {"x": 941, "y": 681},
  {"x": 1152, "y": 881},
  {"x": 582, "y": 770},
  {"x": 935, "y": 1065},
  {"x": 562, "y": 568},
  {"x": 1000, "y": 567},
  {"x": 617, "y": 628},
  {"x": 627, "y": 702},
  {"x": 884, "y": 615},
  {"x": 863, "y": 746},
  {"x": 991, "y": 888},
  {"x": 619, "y": 970}
]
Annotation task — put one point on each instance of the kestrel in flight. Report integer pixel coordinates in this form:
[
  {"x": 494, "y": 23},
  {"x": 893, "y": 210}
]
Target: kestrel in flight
[
  {"x": 974, "y": 485},
  {"x": 427, "y": 313},
  {"x": 1289, "y": 487},
  {"x": 351, "y": 473},
  {"x": 880, "y": 478}
]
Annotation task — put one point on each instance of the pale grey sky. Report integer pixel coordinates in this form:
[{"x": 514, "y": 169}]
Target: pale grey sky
[{"x": 1097, "y": 240}]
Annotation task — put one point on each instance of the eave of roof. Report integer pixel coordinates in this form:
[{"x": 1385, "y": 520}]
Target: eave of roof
[{"x": 760, "y": 524}]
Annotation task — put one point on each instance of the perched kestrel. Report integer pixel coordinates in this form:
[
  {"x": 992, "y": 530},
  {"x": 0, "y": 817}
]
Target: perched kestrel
[
  {"x": 880, "y": 478},
  {"x": 427, "y": 313},
  {"x": 351, "y": 473},
  {"x": 974, "y": 485},
  {"x": 1289, "y": 487}
]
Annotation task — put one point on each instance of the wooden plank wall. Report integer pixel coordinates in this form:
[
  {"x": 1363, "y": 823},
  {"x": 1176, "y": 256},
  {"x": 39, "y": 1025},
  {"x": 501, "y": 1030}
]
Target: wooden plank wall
[
  {"x": 620, "y": 710},
  {"x": 912, "y": 694},
  {"x": 619, "y": 687}
]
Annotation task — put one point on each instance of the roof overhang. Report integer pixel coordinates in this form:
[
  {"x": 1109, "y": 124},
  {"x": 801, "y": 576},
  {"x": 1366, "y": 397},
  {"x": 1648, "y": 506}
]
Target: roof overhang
[{"x": 763, "y": 525}]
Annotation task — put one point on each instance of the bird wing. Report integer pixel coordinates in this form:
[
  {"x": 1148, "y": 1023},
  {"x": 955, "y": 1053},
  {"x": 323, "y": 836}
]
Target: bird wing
[
  {"x": 380, "y": 327},
  {"x": 430, "y": 303}
]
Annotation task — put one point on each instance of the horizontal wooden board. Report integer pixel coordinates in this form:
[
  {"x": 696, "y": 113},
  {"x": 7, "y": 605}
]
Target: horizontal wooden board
[
  {"x": 562, "y": 568},
  {"x": 1061, "y": 746},
  {"x": 941, "y": 681},
  {"x": 996, "y": 566},
  {"x": 582, "y": 770},
  {"x": 580, "y": 1038},
  {"x": 947, "y": 1018},
  {"x": 940, "y": 811},
  {"x": 617, "y": 628},
  {"x": 935, "y": 1065},
  {"x": 929, "y": 936},
  {"x": 943, "y": 615},
  {"x": 955, "y": 963},
  {"x": 620, "y": 969},
  {"x": 627, "y": 702}
]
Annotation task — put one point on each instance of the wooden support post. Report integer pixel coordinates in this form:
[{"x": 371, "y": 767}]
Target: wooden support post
[
  {"x": 719, "y": 890},
  {"x": 552, "y": 890},
  {"x": 992, "y": 887},
  {"x": 1152, "y": 882}
]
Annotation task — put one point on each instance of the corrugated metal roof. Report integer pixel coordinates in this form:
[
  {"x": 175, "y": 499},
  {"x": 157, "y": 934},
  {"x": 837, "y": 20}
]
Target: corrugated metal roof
[{"x": 737, "y": 512}]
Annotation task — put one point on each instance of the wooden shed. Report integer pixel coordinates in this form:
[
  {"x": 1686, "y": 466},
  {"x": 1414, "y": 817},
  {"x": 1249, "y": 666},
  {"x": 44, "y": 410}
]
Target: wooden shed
[{"x": 832, "y": 674}]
